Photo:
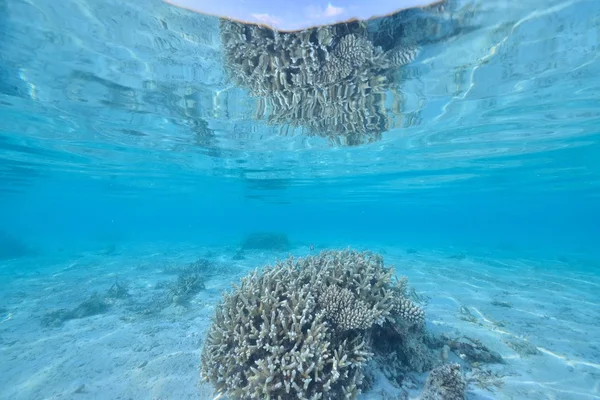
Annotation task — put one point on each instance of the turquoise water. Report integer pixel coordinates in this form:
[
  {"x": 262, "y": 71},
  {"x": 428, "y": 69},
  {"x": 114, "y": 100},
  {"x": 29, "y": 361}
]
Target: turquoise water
[
  {"x": 100, "y": 124},
  {"x": 121, "y": 129}
]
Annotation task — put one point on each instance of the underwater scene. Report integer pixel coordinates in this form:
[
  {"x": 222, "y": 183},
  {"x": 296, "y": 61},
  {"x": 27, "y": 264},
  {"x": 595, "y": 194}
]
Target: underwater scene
[{"x": 401, "y": 207}]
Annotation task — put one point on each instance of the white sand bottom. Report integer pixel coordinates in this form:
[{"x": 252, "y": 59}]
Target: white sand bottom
[{"x": 541, "y": 316}]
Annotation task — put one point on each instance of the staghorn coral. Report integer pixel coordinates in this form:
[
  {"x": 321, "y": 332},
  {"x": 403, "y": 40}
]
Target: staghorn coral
[
  {"x": 343, "y": 308},
  {"x": 267, "y": 341},
  {"x": 303, "y": 328},
  {"x": 408, "y": 311},
  {"x": 191, "y": 279}
]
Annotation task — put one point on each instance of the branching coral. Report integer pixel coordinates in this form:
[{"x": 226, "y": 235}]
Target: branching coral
[
  {"x": 301, "y": 329},
  {"x": 343, "y": 308},
  {"x": 188, "y": 284},
  {"x": 408, "y": 311},
  {"x": 269, "y": 339}
]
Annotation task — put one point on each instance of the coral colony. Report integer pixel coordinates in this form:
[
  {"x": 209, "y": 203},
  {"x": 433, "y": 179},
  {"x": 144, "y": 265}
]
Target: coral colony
[
  {"x": 316, "y": 327},
  {"x": 330, "y": 79}
]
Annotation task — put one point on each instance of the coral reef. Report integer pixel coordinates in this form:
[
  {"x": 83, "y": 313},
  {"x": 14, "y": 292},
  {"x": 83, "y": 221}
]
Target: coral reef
[
  {"x": 330, "y": 79},
  {"x": 445, "y": 382},
  {"x": 306, "y": 328}
]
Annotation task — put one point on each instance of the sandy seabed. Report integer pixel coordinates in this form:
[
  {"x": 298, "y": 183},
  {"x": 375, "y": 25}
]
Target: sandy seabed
[{"x": 541, "y": 316}]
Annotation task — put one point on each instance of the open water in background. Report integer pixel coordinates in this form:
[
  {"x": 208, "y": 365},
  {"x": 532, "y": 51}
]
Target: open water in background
[{"x": 101, "y": 103}]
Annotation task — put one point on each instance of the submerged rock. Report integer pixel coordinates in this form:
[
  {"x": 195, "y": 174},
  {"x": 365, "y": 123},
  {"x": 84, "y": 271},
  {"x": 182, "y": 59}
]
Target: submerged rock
[
  {"x": 523, "y": 347},
  {"x": 472, "y": 350},
  {"x": 94, "y": 305},
  {"x": 445, "y": 383}
]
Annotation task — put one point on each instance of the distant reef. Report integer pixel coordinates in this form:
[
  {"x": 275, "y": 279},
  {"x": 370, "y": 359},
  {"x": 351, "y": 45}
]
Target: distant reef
[{"x": 11, "y": 246}]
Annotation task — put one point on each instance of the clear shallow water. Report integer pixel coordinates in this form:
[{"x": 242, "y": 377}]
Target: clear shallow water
[
  {"x": 119, "y": 126},
  {"x": 130, "y": 112}
]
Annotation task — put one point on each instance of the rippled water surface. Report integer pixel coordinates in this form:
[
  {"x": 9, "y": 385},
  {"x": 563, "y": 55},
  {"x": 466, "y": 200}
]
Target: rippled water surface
[{"x": 137, "y": 90}]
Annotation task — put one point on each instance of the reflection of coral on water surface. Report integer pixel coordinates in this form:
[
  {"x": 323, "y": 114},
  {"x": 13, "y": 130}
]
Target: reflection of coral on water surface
[{"x": 330, "y": 79}]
